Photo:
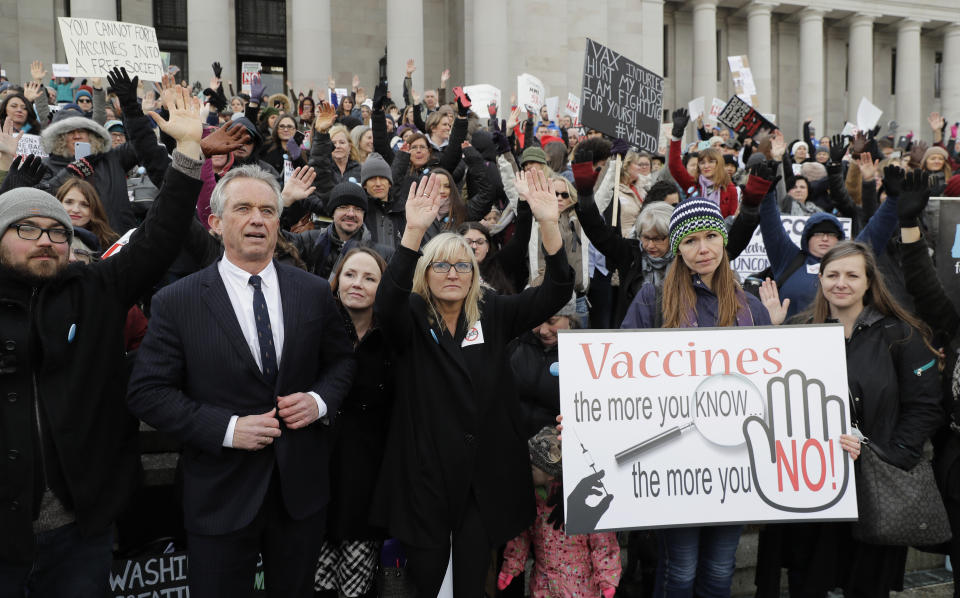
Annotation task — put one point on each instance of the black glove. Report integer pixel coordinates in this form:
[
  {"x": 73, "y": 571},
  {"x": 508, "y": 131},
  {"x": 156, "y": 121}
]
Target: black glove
[
  {"x": 893, "y": 180},
  {"x": 838, "y": 148},
  {"x": 501, "y": 141},
  {"x": 379, "y": 97},
  {"x": 463, "y": 111},
  {"x": 681, "y": 118},
  {"x": 217, "y": 70},
  {"x": 25, "y": 171},
  {"x": 217, "y": 100},
  {"x": 126, "y": 90},
  {"x": 619, "y": 147},
  {"x": 913, "y": 198},
  {"x": 81, "y": 168}
]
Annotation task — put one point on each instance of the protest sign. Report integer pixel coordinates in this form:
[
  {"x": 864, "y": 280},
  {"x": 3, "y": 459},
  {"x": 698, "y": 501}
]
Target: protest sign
[
  {"x": 161, "y": 575},
  {"x": 704, "y": 426},
  {"x": 621, "y": 98},
  {"x": 868, "y": 115},
  {"x": 480, "y": 98},
  {"x": 341, "y": 92},
  {"x": 247, "y": 72},
  {"x": 947, "y": 251},
  {"x": 771, "y": 117},
  {"x": 95, "y": 46},
  {"x": 573, "y": 107},
  {"x": 754, "y": 259},
  {"x": 849, "y": 129},
  {"x": 30, "y": 144},
  {"x": 742, "y": 77},
  {"x": 60, "y": 70},
  {"x": 695, "y": 108},
  {"x": 530, "y": 92},
  {"x": 553, "y": 108},
  {"x": 742, "y": 118}
]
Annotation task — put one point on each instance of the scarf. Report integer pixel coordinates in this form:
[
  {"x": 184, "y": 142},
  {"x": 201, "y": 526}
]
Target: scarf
[
  {"x": 655, "y": 268},
  {"x": 709, "y": 190}
]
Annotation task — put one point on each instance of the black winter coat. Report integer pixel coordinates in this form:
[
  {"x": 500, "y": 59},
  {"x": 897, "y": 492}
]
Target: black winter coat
[
  {"x": 538, "y": 388},
  {"x": 78, "y": 321},
  {"x": 456, "y": 426}
]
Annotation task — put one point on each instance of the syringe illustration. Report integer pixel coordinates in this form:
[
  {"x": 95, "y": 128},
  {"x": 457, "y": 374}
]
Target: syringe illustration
[{"x": 588, "y": 458}]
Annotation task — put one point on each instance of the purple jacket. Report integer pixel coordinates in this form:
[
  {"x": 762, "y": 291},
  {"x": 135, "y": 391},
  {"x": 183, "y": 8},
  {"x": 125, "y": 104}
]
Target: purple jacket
[{"x": 641, "y": 313}]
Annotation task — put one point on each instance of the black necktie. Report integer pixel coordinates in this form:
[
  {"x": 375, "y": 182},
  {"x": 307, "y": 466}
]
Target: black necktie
[{"x": 268, "y": 353}]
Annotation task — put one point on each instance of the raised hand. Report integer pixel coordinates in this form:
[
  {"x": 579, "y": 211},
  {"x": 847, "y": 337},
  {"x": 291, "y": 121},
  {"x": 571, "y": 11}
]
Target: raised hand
[
  {"x": 326, "y": 115},
  {"x": 32, "y": 91},
  {"x": 770, "y": 297},
  {"x": 25, "y": 171},
  {"x": 8, "y": 141},
  {"x": 257, "y": 89},
  {"x": 778, "y": 145},
  {"x": 681, "y": 118},
  {"x": 411, "y": 67},
  {"x": 149, "y": 101},
  {"x": 331, "y": 82},
  {"x": 125, "y": 88},
  {"x": 379, "y": 96},
  {"x": 423, "y": 204},
  {"x": 858, "y": 145},
  {"x": 936, "y": 121},
  {"x": 541, "y": 197},
  {"x": 224, "y": 140},
  {"x": 361, "y": 96},
  {"x": 838, "y": 148},
  {"x": 299, "y": 185},
  {"x": 913, "y": 198},
  {"x": 521, "y": 185},
  {"x": 514, "y": 119},
  {"x": 37, "y": 71},
  {"x": 414, "y": 96},
  {"x": 916, "y": 154},
  {"x": 184, "y": 123},
  {"x": 868, "y": 166},
  {"x": 444, "y": 77},
  {"x": 893, "y": 180},
  {"x": 356, "y": 83},
  {"x": 217, "y": 70}
]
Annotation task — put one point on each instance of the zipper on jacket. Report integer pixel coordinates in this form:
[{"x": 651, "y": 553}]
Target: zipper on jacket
[{"x": 36, "y": 393}]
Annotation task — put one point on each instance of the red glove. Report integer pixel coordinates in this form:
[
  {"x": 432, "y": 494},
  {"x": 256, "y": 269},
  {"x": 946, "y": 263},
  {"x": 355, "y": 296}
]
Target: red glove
[
  {"x": 584, "y": 176},
  {"x": 608, "y": 592},
  {"x": 755, "y": 190},
  {"x": 503, "y": 580}
]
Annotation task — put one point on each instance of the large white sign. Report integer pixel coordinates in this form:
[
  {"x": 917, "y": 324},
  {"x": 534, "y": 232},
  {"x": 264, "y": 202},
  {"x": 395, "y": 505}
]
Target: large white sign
[
  {"x": 95, "y": 46},
  {"x": 754, "y": 258},
  {"x": 530, "y": 92},
  {"x": 708, "y": 426},
  {"x": 481, "y": 96}
]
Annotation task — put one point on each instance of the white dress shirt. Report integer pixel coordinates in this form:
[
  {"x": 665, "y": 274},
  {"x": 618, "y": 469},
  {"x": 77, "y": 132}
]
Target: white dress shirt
[{"x": 240, "y": 292}]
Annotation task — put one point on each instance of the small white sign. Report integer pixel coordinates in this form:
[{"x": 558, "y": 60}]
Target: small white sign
[
  {"x": 95, "y": 46},
  {"x": 530, "y": 92},
  {"x": 60, "y": 69}
]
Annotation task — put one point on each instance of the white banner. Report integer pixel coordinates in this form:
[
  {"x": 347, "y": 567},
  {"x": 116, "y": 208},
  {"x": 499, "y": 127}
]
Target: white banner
[
  {"x": 481, "y": 95},
  {"x": 95, "y": 46},
  {"x": 530, "y": 92},
  {"x": 754, "y": 259},
  {"x": 708, "y": 426}
]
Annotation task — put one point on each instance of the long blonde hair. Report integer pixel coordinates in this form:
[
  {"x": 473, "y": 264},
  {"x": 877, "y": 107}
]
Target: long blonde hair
[
  {"x": 446, "y": 247},
  {"x": 680, "y": 299}
]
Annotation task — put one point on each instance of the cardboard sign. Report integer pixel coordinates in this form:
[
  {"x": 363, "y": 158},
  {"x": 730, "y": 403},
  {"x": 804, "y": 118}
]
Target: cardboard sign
[
  {"x": 481, "y": 96},
  {"x": 621, "y": 98},
  {"x": 530, "y": 92},
  {"x": 247, "y": 72},
  {"x": 95, "y": 46},
  {"x": 742, "y": 118},
  {"x": 573, "y": 107},
  {"x": 30, "y": 144},
  {"x": 161, "y": 575},
  {"x": 742, "y": 77},
  {"x": 754, "y": 259},
  {"x": 60, "y": 70},
  {"x": 704, "y": 426}
]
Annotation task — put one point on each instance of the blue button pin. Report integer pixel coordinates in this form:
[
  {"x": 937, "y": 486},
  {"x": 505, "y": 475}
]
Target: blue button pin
[
  {"x": 555, "y": 368},
  {"x": 72, "y": 333}
]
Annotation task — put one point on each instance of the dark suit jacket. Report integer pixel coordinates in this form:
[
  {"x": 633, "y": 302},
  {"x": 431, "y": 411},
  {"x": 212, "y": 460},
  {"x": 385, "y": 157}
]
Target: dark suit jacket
[{"x": 195, "y": 370}]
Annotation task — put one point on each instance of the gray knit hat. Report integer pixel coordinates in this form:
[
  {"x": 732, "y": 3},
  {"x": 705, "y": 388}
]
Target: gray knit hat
[
  {"x": 545, "y": 451},
  {"x": 27, "y": 202},
  {"x": 375, "y": 165}
]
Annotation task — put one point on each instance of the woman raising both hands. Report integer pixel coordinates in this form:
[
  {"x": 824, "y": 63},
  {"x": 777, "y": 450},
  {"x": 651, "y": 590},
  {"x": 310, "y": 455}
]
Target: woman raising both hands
[{"x": 455, "y": 463}]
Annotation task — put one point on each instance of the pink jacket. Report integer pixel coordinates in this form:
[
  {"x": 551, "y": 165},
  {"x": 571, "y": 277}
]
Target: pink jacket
[{"x": 564, "y": 566}]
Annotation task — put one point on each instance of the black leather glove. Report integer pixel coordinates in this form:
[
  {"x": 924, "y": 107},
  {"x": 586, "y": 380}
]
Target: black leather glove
[
  {"x": 25, "y": 171},
  {"x": 914, "y": 195},
  {"x": 126, "y": 90},
  {"x": 379, "y": 97},
  {"x": 838, "y": 148},
  {"x": 893, "y": 180},
  {"x": 581, "y": 155},
  {"x": 217, "y": 70},
  {"x": 681, "y": 118}
]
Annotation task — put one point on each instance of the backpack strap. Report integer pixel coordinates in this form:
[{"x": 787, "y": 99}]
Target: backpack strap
[
  {"x": 658, "y": 312},
  {"x": 793, "y": 266}
]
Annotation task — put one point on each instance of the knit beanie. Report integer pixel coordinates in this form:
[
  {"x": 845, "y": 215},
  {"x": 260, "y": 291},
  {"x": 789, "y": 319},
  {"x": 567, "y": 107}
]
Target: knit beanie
[
  {"x": 83, "y": 92},
  {"x": 27, "y": 202},
  {"x": 348, "y": 193},
  {"x": 813, "y": 171},
  {"x": 935, "y": 149},
  {"x": 375, "y": 165},
  {"x": 533, "y": 154},
  {"x": 545, "y": 452},
  {"x": 692, "y": 216}
]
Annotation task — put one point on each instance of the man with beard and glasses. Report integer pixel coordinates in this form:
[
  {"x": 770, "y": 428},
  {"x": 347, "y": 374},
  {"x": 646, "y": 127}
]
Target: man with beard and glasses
[{"x": 68, "y": 442}]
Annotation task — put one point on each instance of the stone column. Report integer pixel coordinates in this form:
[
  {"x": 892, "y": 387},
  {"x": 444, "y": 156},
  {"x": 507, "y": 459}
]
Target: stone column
[
  {"x": 950, "y": 74},
  {"x": 94, "y": 9},
  {"x": 760, "y": 53},
  {"x": 404, "y": 41},
  {"x": 705, "y": 49},
  {"x": 490, "y": 51},
  {"x": 811, "y": 68},
  {"x": 860, "y": 63},
  {"x": 909, "y": 104},
  {"x": 651, "y": 34},
  {"x": 311, "y": 55},
  {"x": 209, "y": 41}
]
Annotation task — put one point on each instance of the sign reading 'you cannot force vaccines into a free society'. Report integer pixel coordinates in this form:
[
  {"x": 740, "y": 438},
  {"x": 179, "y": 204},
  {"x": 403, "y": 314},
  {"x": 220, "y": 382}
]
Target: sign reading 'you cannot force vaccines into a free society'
[
  {"x": 704, "y": 426},
  {"x": 94, "y": 47}
]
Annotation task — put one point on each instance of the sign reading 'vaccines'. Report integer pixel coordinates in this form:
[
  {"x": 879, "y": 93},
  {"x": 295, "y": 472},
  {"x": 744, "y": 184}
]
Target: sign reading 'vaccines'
[{"x": 621, "y": 98}]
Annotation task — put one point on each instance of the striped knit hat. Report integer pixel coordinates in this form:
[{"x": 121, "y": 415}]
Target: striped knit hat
[{"x": 692, "y": 216}]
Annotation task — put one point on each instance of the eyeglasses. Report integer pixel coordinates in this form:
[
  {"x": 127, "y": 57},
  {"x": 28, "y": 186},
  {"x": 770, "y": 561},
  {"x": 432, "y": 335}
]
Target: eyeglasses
[
  {"x": 417, "y": 148},
  {"x": 563, "y": 194},
  {"x": 444, "y": 267},
  {"x": 646, "y": 239},
  {"x": 84, "y": 101},
  {"x": 286, "y": 127},
  {"x": 824, "y": 235},
  {"x": 476, "y": 242},
  {"x": 29, "y": 232}
]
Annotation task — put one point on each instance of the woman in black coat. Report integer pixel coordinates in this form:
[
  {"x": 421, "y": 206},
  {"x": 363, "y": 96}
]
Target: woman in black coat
[
  {"x": 456, "y": 461},
  {"x": 348, "y": 558}
]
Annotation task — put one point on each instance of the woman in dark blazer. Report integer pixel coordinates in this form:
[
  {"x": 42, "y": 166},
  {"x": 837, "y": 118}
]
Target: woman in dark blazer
[{"x": 456, "y": 463}]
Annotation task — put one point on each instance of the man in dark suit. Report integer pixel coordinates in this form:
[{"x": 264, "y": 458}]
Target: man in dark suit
[{"x": 246, "y": 362}]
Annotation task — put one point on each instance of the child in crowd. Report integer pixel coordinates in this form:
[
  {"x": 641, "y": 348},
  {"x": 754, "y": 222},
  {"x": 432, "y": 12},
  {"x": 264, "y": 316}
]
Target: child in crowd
[{"x": 582, "y": 566}]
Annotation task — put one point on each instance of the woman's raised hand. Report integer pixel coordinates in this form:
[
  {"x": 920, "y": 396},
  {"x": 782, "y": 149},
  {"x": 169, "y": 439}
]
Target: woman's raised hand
[
  {"x": 423, "y": 203},
  {"x": 770, "y": 297}
]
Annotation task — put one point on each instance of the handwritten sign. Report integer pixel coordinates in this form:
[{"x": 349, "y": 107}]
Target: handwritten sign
[
  {"x": 573, "y": 107},
  {"x": 30, "y": 144},
  {"x": 742, "y": 118},
  {"x": 742, "y": 77},
  {"x": 621, "y": 98},
  {"x": 530, "y": 92},
  {"x": 715, "y": 109},
  {"x": 95, "y": 46},
  {"x": 60, "y": 69},
  {"x": 481, "y": 96},
  {"x": 247, "y": 72},
  {"x": 695, "y": 426}
]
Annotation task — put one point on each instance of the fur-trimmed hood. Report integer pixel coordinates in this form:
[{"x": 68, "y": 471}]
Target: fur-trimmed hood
[{"x": 65, "y": 125}]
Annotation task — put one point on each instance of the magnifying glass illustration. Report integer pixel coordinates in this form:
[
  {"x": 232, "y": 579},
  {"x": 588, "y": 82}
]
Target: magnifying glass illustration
[{"x": 718, "y": 408}]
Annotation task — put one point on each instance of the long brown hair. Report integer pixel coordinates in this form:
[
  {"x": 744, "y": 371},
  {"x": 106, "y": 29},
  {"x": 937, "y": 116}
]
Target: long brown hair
[
  {"x": 720, "y": 177},
  {"x": 99, "y": 225},
  {"x": 877, "y": 295},
  {"x": 679, "y": 297},
  {"x": 458, "y": 208}
]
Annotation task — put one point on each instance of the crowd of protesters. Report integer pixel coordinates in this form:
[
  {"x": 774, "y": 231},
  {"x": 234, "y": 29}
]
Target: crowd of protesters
[{"x": 168, "y": 259}]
